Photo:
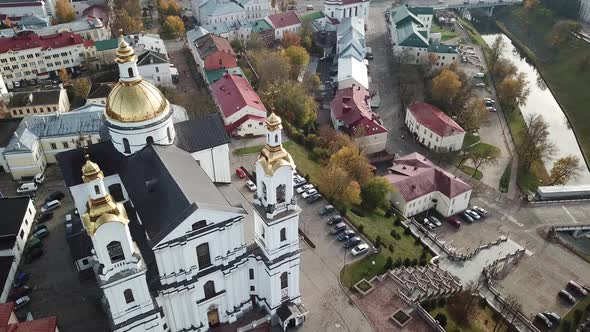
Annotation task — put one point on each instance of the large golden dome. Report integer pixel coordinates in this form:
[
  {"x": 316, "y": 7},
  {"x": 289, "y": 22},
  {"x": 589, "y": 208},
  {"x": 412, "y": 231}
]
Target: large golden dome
[{"x": 135, "y": 101}]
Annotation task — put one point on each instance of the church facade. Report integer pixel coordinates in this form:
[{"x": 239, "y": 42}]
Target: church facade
[{"x": 170, "y": 252}]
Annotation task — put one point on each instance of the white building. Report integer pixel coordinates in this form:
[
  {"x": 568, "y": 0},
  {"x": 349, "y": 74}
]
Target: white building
[
  {"x": 15, "y": 9},
  {"x": 26, "y": 103},
  {"x": 284, "y": 22},
  {"x": 29, "y": 56},
  {"x": 218, "y": 11},
  {"x": 351, "y": 34},
  {"x": 18, "y": 215},
  {"x": 352, "y": 71},
  {"x": 172, "y": 253},
  {"x": 155, "y": 68},
  {"x": 340, "y": 9},
  {"x": 419, "y": 185},
  {"x": 433, "y": 128},
  {"x": 89, "y": 27}
]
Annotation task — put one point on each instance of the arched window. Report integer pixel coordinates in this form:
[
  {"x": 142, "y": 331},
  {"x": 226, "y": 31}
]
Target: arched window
[
  {"x": 115, "y": 251},
  {"x": 169, "y": 132},
  {"x": 116, "y": 192},
  {"x": 126, "y": 145},
  {"x": 128, "y": 293},
  {"x": 199, "y": 224},
  {"x": 284, "y": 280},
  {"x": 203, "y": 257},
  {"x": 130, "y": 71},
  {"x": 149, "y": 140},
  {"x": 264, "y": 190},
  {"x": 281, "y": 193},
  {"x": 96, "y": 190},
  {"x": 209, "y": 289},
  {"x": 276, "y": 138},
  {"x": 283, "y": 234}
]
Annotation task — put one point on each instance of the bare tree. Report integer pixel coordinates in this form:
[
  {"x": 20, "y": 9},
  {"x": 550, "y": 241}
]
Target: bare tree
[
  {"x": 565, "y": 169},
  {"x": 496, "y": 51},
  {"x": 534, "y": 141}
]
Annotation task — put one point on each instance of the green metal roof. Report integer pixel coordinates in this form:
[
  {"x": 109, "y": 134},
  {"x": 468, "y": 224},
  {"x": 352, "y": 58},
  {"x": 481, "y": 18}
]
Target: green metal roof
[
  {"x": 215, "y": 74},
  {"x": 408, "y": 35},
  {"x": 442, "y": 48},
  {"x": 109, "y": 44},
  {"x": 312, "y": 16},
  {"x": 422, "y": 10},
  {"x": 260, "y": 25}
]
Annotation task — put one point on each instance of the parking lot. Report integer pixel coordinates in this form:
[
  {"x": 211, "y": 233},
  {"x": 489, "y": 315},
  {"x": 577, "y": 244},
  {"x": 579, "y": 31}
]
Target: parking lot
[{"x": 57, "y": 290}]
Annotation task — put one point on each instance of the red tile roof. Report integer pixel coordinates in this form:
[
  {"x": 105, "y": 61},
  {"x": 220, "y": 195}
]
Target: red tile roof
[
  {"x": 285, "y": 19},
  {"x": 48, "y": 324},
  {"x": 31, "y": 40},
  {"x": 415, "y": 176},
  {"x": 231, "y": 127},
  {"x": 434, "y": 119},
  {"x": 234, "y": 93},
  {"x": 5, "y": 312},
  {"x": 351, "y": 106}
]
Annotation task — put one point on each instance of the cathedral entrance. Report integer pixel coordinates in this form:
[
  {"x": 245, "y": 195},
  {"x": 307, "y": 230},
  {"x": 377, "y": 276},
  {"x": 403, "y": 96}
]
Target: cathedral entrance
[{"x": 213, "y": 317}]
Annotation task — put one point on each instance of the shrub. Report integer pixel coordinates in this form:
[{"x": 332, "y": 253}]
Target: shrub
[
  {"x": 441, "y": 319},
  {"x": 319, "y": 154},
  {"x": 306, "y": 177},
  {"x": 407, "y": 231},
  {"x": 414, "y": 262},
  {"x": 398, "y": 263},
  {"x": 361, "y": 228},
  {"x": 310, "y": 141},
  {"x": 397, "y": 221},
  {"x": 388, "y": 213},
  {"x": 577, "y": 316},
  {"x": 378, "y": 242},
  {"x": 358, "y": 212},
  {"x": 389, "y": 264},
  {"x": 482, "y": 302},
  {"x": 426, "y": 305},
  {"x": 407, "y": 262},
  {"x": 395, "y": 234},
  {"x": 391, "y": 249},
  {"x": 423, "y": 262},
  {"x": 417, "y": 240},
  {"x": 442, "y": 302}
]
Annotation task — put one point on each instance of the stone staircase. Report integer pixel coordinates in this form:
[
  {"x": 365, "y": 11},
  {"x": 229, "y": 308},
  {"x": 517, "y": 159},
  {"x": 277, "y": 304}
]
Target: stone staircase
[{"x": 419, "y": 283}]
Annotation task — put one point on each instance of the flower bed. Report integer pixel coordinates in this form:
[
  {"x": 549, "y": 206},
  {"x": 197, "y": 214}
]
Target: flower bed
[
  {"x": 364, "y": 287},
  {"x": 400, "y": 317}
]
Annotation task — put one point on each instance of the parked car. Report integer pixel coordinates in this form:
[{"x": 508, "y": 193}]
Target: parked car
[
  {"x": 481, "y": 211},
  {"x": 434, "y": 220},
  {"x": 567, "y": 296},
  {"x": 19, "y": 292},
  {"x": 56, "y": 195},
  {"x": 27, "y": 188},
  {"x": 33, "y": 243},
  {"x": 542, "y": 318},
  {"x": 473, "y": 214},
  {"x": 425, "y": 221},
  {"x": 41, "y": 233},
  {"x": 577, "y": 288},
  {"x": 347, "y": 234},
  {"x": 334, "y": 220},
  {"x": 313, "y": 199},
  {"x": 360, "y": 249},
  {"x": 553, "y": 317},
  {"x": 251, "y": 186},
  {"x": 33, "y": 255},
  {"x": 299, "y": 181},
  {"x": 44, "y": 216},
  {"x": 489, "y": 100},
  {"x": 21, "y": 302},
  {"x": 352, "y": 242},
  {"x": 39, "y": 178},
  {"x": 429, "y": 225},
  {"x": 50, "y": 206},
  {"x": 480, "y": 85},
  {"x": 240, "y": 173},
  {"x": 467, "y": 217},
  {"x": 304, "y": 188},
  {"x": 340, "y": 227},
  {"x": 491, "y": 109},
  {"x": 454, "y": 220},
  {"x": 20, "y": 279},
  {"x": 479, "y": 75},
  {"x": 39, "y": 227},
  {"x": 309, "y": 192},
  {"x": 327, "y": 209}
]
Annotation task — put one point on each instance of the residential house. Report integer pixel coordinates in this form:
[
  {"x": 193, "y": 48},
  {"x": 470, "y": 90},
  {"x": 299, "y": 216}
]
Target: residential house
[
  {"x": 217, "y": 11},
  {"x": 351, "y": 113},
  {"x": 215, "y": 75},
  {"x": 284, "y": 22},
  {"x": 433, "y": 128},
  {"x": 242, "y": 110},
  {"x": 18, "y": 215},
  {"x": 352, "y": 71},
  {"x": 98, "y": 93},
  {"x": 33, "y": 22},
  {"x": 234, "y": 30},
  {"x": 155, "y": 68},
  {"x": 351, "y": 38},
  {"x": 27, "y": 55},
  {"x": 97, "y": 11},
  {"x": 9, "y": 321},
  {"x": 38, "y": 102},
  {"x": 316, "y": 19},
  {"x": 419, "y": 185},
  {"x": 106, "y": 49},
  {"x": 264, "y": 30},
  {"x": 89, "y": 27},
  {"x": 340, "y": 9},
  {"x": 7, "y": 129},
  {"x": 14, "y": 10},
  {"x": 255, "y": 9},
  {"x": 213, "y": 52}
]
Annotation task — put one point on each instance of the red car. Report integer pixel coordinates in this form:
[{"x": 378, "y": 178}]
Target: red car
[
  {"x": 454, "y": 220},
  {"x": 240, "y": 173}
]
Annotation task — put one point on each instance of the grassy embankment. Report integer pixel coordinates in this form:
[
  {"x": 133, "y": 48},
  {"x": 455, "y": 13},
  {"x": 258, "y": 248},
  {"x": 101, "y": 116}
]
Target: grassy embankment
[
  {"x": 569, "y": 320},
  {"x": 479, "y": 320},
  {"x": 446, "y": 34}
]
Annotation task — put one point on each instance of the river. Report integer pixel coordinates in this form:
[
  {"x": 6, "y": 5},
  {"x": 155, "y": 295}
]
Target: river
[{"x": 541, "y": 101}]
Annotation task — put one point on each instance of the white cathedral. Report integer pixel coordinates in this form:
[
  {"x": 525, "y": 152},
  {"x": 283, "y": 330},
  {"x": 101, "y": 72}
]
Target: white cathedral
[{"x": 171, "y": 253}]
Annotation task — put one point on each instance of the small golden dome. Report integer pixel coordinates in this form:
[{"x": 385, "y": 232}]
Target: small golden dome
[
  {"x": 135, "y": 101},
  {"x": 125, "y": 52},
  {"x": 274, "y": 122},
  {"x": 272, "y": 158},
  {"x": 91, "y": 171}
]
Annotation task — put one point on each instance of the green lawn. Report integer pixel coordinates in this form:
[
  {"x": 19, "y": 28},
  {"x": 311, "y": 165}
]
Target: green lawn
[
  {"x": 505, "y": 179},
  {"x": 446, "y": 33},
  {"x": 248, "y": 150},
  {"x": 376, "y": 224},
  {"x": 583, "y": 306},
  {"x": 305, "y": 166},
  {"x": 470, "y": 139}
]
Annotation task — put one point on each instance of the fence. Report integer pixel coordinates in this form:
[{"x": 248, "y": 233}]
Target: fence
[{"x": 254, "y": 324}]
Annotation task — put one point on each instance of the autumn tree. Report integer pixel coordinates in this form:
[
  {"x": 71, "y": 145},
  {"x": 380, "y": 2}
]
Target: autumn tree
[
  {"x": 472, "y": 115},
  {"x": 336, "y": 184},
  {"x": 128, "y": 24},
  {"x": 535, "y": 144},
  {"x": 271, "y": 67},
  {"x": 298, "y": 58},
  {"x": 313, "y": 82},
  {"x": 484, "y": 155},
  {"x": 565, "y": 169},
  {"x": 375, "y": 193},
  {"x": 561, "y": 32},
  {"x": 445, "y": 87},
  {"x": 237, "y": 45},
  {"x": 495, "y": 52},
  {"x": 292, "y": 102},
  {"x": 64, "y": 11},
  {"x": 132, "y": 7},
  {"x": 513, "y": 91},
  {"x": 173, "y": 27},
  {"x": 504, "y": 68},
  {"x": 64, "y": 76},
  {"x": 354, "y": 162},
  {"x": 255, "y": 42},
  {"x": 168, "y": 8},
  {"x": 333, "y": 141},
  {"x": 291, "y": 39},
  {"x": 529, "y": 4},
  {"x": 81, "y": 86}
]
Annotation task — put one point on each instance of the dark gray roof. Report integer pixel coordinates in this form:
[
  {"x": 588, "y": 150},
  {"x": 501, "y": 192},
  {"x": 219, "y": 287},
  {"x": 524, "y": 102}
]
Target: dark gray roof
[
  {"x": 7, "y": 129},
  {"x": 99, "y": 90},
  {"x": 5, "y": 265},
  {"x": 201, "y": 133},
  {"x": 12, "y": 211},
  {"x": 80, "y": 245},
  {"x": 151, "y": 57},
  {"x": 34, "y": 98}
]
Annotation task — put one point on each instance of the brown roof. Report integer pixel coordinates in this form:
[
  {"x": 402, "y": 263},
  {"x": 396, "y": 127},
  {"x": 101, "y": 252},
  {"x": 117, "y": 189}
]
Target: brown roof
[
  {"x": 285, "y": 19},
  {"x": 350, "y": 105},
  {"x": 434, "y": 119},
  {"x": 35, "y": 98},
  {"x": 210, "y": 43}
]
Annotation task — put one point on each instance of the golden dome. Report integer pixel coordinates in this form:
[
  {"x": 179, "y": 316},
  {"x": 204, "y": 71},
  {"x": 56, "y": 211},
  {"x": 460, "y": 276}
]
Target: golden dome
[
  {"x": 274, "y": 122},
  {"x": 125, "y": 52},
  {"x": 135, "y": 101},
  {"x": 272, "y": 158},
  {"x": 91, "y": 171}
]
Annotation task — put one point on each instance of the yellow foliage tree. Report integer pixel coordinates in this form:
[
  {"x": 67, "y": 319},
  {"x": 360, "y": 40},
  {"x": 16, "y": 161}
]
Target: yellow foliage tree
[
  {"x": 81, "y": 86},
  {"x": 64, "y": 11},
  {"x": 173, "y": 26},
  {"x": 445, "y": 87},
  {"x": 128, "y": 24},
  {"x": 64, "y": 76},
  {"x": 354, "y": 162},
  {"x": 336, "y": 184},
  {"x": 298, "y": 58}
]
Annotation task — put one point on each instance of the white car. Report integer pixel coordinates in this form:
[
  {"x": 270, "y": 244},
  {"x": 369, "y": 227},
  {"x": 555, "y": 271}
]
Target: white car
[
  {"x": 489, "y": 100},
  {"x": 491, "y": 109},
  {"x": 360, "y": 249},
  {"x": 434, "y": 220},
  {"x": 304, "y": 188},
  {"x": 479, "y": 75},
  {"x": 27, "y": 188},
  {"x": 39, "y": 178},
  {"x": 308, "y": 193},
  {"x": 473, "y": 214},
  {"x": 251, "y": 185},
  {"x": 480, "y": 85}
]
